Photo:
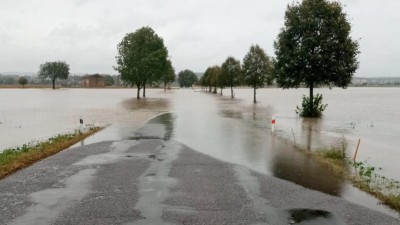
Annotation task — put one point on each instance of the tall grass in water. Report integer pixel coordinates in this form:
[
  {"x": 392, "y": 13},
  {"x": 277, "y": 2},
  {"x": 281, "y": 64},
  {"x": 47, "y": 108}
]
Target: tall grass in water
[{"x": 363, "y": 176}]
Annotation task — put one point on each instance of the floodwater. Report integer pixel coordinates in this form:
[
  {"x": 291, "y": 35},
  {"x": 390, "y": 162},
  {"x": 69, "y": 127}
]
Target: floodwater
[
  {"x": 233, "y": 130},
  {"x": 28, "y": 115}
]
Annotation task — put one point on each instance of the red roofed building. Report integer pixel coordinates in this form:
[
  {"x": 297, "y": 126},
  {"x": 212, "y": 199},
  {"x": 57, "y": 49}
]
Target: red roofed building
[{"x": 94, "y": 80}]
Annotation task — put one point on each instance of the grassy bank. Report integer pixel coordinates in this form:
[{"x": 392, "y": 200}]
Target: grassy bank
[
  {"x": 361, "y": 175},
  {"x": 14, "y": 159}
]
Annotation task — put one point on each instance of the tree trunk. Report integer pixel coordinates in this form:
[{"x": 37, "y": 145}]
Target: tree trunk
[
  {"x": 221, "y": 91},
  {"x": 54, "y": 83},
  {"x": 255, "y": 101},
  {"x": 231, "y": 86},
  {"x": 138, "y": 92},
  {"x": 312, "y": 97},
  {"x": 144, "y": 89}
]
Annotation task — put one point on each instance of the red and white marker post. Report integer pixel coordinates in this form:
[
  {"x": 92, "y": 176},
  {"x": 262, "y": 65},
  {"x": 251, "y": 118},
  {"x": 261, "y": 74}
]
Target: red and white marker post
[{"x": 273, "y": 121}]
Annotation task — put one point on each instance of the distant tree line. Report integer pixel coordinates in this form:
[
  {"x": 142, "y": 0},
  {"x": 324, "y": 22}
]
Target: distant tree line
[
  {"x": 255, "y": 71},
  {"x": 70, "y": 81}
]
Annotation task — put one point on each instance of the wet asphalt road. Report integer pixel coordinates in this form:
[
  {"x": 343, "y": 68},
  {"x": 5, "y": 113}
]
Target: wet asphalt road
[{"x": 153, "y": 180}]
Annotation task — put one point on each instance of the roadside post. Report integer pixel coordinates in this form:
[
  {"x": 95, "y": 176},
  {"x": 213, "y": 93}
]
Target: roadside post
[
  {"x": 273, "y": 124},
  {"x": 81, "y": 125},
  {"x": 355, "y": 154}
]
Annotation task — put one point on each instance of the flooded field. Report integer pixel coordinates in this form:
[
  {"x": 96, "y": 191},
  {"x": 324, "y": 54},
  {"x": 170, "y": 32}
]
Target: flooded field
[
  {"x": 35, "y": 114},
  {"x": 233, "y": 130}
]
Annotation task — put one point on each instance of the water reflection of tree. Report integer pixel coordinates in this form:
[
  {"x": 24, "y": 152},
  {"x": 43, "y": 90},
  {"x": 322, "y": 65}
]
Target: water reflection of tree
[
  {"x": 260, "y": 113},
  {"x": 310, "y": 131},
  {"x": 231, "y": 114},
  {"x": 156, "y": 104},
  {"x": 295, "y": 166}
]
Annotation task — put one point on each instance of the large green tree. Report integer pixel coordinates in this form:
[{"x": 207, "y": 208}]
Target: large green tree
[
  {"x": 186, "y": 78},
  {"x": 53, "y": 71},
  {"x": 257, "y": 69},
  {"x": 315, "y": 48},
  {"x": 201, "y": 81},
  {"x": 142, "y": 58},
  {"x": 169, "y": 75},
  {"x": 230, "y": 73},
  {"x": 222, "y": 81},
  {"x": 214, "y": 79},
  {"x": 211, "y": 78},
  {"x": 206, "y": 79}
]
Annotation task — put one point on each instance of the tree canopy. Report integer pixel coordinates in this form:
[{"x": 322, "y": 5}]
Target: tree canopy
[
  {"x": 205, "y": 80},
  {"x": 211, "y": 78},
  {"x": 257, "y": 69},
  {"x": 142, "y": 58},
  {"x": 314, "y": 47},
  {"x": 54, "y": 70},
  {"x": 231, "y": 72},
  {"x": 22, "y": 81},
  {"x": 169, "y": 75},
  {"x": 186, "y": 78},
  {"x": 109, "y": 80}
]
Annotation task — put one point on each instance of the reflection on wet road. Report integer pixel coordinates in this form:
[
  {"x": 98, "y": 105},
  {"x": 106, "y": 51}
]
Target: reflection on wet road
[
  {"x": 225, "y": 129},
  {"x": 229, "y": 131},
  {"x": 242, "y": 143}
]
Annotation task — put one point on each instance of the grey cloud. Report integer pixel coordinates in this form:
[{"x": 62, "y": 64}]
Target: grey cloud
[{"x": 197, "y": 33}]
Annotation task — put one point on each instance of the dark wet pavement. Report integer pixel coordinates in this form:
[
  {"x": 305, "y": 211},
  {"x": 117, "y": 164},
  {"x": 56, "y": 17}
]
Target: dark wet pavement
[{"x": 150, "y": 178}]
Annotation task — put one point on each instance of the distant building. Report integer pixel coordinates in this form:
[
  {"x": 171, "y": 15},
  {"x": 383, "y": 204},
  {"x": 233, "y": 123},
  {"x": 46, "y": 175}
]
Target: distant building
[
  {"x": 359, "y": 81},
  {"x": 95, "y": 80}
]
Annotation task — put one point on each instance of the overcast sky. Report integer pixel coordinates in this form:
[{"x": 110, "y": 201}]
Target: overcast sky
[{"x": 197, "y": 33}]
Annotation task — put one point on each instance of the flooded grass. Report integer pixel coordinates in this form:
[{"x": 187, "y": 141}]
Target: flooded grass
[
  {"x": 335, "y": 152},
  {"x": 387, "y": 190},
  {"x": 364, "y": 177},
  {"x": 14, "y": 159}
]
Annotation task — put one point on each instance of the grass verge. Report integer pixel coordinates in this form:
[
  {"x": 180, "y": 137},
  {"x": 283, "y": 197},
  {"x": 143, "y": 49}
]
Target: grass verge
[
  {"x": 14, "y": 159},
  {"x": 361, "y": 175}
]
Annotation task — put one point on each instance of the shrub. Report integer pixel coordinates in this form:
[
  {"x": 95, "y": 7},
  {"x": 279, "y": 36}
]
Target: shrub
[{"x": 308, "y": 110}]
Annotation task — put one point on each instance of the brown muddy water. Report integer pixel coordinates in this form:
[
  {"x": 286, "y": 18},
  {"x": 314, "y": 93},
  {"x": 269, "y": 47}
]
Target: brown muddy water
[
  {"x": 36, "y": 114},
  {"x": 233, "y": 130}
]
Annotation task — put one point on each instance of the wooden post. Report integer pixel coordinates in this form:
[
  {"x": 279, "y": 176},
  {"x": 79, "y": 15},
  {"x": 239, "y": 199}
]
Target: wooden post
[{"x": 355, "y": 154}]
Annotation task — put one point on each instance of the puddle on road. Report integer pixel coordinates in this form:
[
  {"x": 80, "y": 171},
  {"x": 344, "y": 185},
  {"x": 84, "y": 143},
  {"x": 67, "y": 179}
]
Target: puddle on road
[{"x": 310, "y": 217}]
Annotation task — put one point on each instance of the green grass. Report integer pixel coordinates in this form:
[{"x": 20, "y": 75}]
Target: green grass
[
  {"x": 385, "y": 189},
  {"x": 363, "y": 176},
  {"x": 335, "y": 152},
  {"x": 14, "y": 159}
]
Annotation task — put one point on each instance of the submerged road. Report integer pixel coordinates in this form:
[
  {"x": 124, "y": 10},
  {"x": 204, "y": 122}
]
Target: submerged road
[{"x": 150, "y": 179}]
